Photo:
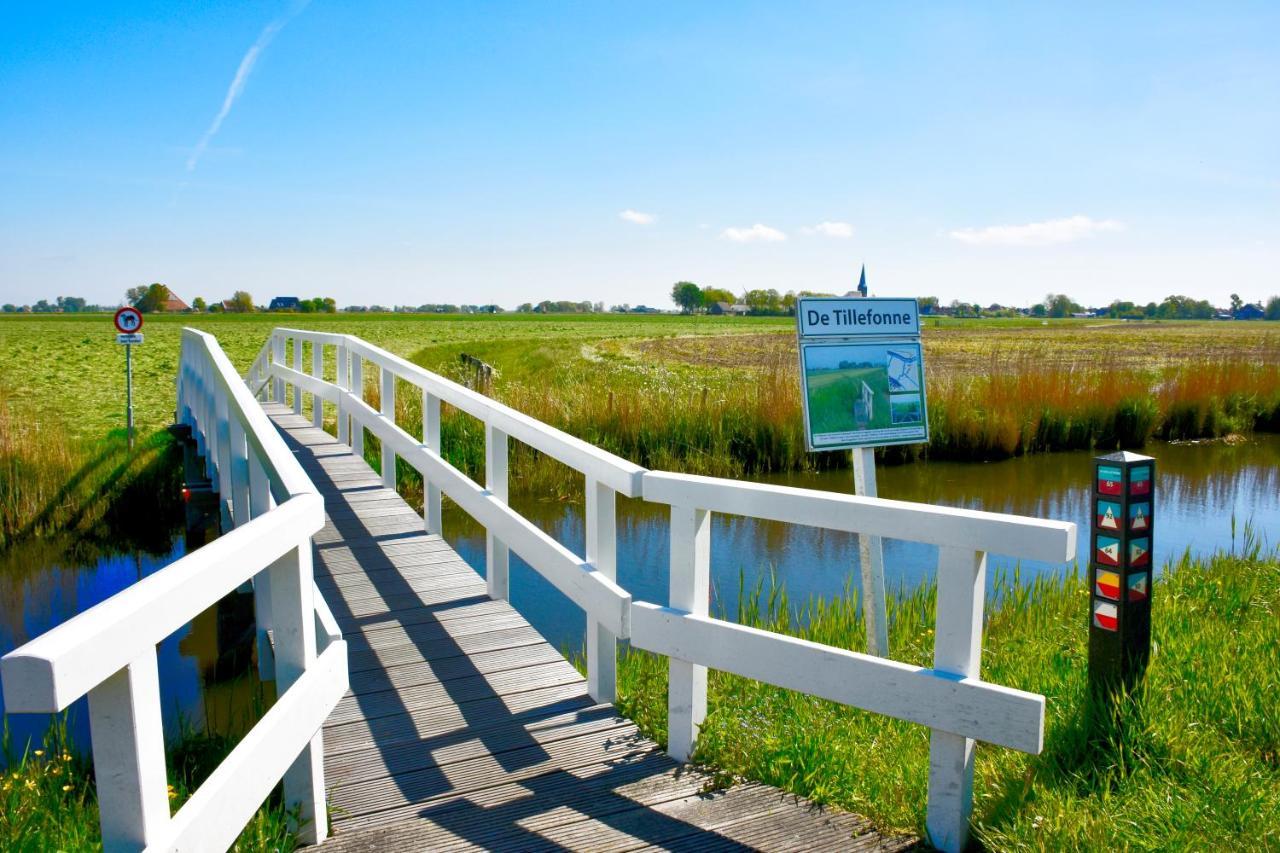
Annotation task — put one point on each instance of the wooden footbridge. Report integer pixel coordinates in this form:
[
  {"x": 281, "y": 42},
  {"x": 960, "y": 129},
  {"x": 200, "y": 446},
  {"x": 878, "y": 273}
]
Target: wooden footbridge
[{"x": 417, "y": 710}]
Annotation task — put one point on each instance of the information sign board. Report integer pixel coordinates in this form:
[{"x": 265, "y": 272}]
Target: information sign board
[
  {"x": 862, "y": 372},
  {"x": 135, "y": 338}
]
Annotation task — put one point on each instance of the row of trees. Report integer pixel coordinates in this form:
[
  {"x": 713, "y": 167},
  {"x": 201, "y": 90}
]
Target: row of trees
[
  {"x": 693, "y": 299},
  {"x": 63, "y": 304}
]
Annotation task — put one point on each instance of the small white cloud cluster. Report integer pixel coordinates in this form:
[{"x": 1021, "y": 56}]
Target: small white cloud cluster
[
  {"x": 1047, "y": 233},
  {"x": 637, "y": 217},
  {"x": 839, "y": 230},
  {"x": 758, "y": 233}
]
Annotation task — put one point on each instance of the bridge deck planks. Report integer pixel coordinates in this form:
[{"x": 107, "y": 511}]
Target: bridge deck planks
[{"x": 464, "y": 729}]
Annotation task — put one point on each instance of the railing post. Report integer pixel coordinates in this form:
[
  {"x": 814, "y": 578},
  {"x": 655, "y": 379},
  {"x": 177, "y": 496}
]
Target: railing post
[
  {"x": 497, "y": 557},
  {"x": 431, "y": 510},
  {"x": 340, "y": 379},
  {"x": 602, "y": 554},
  {"x": 317, "y": 370},
  {"x": 357, "y": 388},
  {"x": 128, "y": 756},
  {"x": 260, "y": 503},
  {"x": 294, "y": 631},
  {"x": 690, "y": 591},
  {"x": 222, "y": 428},
  {"x": 957, "y": 651},
  {"x": 388, "y": 397},
  {"x": 207, "y": 421},
  {"x": 297, "y": 365},
  {"x": 239, "y": 473},
  {"x": 277, "y": 357}
]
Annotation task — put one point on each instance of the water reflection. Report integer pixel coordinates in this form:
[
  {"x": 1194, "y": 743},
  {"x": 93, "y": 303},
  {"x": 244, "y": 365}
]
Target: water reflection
[
  {"x": 1201, "y": 488},
  {"x": 206, "y": 675}
]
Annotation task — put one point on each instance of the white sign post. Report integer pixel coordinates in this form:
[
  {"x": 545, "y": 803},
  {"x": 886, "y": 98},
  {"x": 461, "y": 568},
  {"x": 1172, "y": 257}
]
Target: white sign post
[
  {"x": 862, "y": 384},
  {"x": 128, "y": 321}
]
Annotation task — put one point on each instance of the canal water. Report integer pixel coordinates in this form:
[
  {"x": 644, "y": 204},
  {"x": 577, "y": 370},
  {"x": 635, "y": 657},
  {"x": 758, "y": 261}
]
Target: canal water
[{"x": 1206, "y": 494}]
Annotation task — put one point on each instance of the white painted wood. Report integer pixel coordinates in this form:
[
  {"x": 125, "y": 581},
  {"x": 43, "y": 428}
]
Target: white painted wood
[
  {"x": 962, "y": 577},
  {"x": 871, "y": 559},
  {"x": 297, "y": 365},
  {"x": 602, "y": 554},
  {"x": 1013, "y": 535},
  {"x": 260, "y": 503},
  {"x": 388, "y": 401},
  {"x": 294, "y": 633},
  {"x": 317, "y": 370},
  {"x": 357, "y": 388},
  {"x": 497, "y": 557},
  {"x": 340, "y": 379},
  {"x": 431, "y": 507},
  {"x": 277, "y": 357},
  {"x": 222, "y": 450},
  {"x": 968, "y": 706},
  {"x": 690, "y": 592},
  {"x": 128, "y": 755},
  {"x": 327, "y": 630},
  {"x": 214, "y": 815}
]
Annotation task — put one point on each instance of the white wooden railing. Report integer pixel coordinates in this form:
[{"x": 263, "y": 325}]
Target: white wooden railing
[
  {"x": 109, "y": 651},
  {"x": 951, "y": 698}
]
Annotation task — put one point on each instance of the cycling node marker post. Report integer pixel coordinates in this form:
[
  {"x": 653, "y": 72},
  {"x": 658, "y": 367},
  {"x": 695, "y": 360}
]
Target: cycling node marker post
[
  {"x": 862, "y": 385},
  {"x": 128, "y": 322},
  {"x": 1123, "y": 498}
]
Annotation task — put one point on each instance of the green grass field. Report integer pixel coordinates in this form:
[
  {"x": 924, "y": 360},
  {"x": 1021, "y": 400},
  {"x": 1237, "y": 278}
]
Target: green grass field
[{"x": 834, "y": 396}]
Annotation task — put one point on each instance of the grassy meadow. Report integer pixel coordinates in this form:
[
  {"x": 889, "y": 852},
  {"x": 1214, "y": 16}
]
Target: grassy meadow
[{"x": 708, "y": 395}]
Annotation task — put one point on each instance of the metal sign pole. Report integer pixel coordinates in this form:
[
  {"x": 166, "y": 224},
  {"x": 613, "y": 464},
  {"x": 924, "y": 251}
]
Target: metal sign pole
[
  {"x": 871, "y": 556},
  {"x": 128, "y": 382}
]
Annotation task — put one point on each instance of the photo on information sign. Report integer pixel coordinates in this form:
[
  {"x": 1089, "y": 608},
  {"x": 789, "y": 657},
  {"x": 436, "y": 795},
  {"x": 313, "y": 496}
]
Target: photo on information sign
[{"x": 864, "y": 393}]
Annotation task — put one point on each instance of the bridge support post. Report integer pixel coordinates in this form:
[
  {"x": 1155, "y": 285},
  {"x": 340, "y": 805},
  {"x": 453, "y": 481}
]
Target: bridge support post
[
  {"x": 317, "y": 370},
  {"x": 340, "y": 379},
  {"x": 497, "y": 556},
  {"x": 222, "y": 428},
  {"x": 690, "y": 591},
  {"x": 240, "y": 512},
  {"x": 259, "y": 504},
  {"x": 357, "y": 388},
  {"x": 957, "y": 650},
  {"x": 431, "y": 509},
  {"x": 602, "y": 554},
  {"x": 128, "y": 756},
  {"x": 277, "y": 357},
  {"x": 388, "y": 398},
  {"x": 294, "y": 631},
  {"x": 297, "y": 365}
]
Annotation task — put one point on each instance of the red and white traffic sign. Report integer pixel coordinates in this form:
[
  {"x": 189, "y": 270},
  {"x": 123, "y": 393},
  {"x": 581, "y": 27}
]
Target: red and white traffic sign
[{"x": 128, "y": 320}]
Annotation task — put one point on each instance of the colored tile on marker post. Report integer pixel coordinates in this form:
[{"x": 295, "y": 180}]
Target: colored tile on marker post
[
  {"x": 1105, "y": 616},
  {"x": 1137, "y": 586},
  {"x": 1107, "y": 585},
  {"x": 1140, "y": 480},
  {"x": 1109, "y": 480},
  {"x": 1139, "y": 552},
  {"x": 1140, "y": 516},
  {"x": 1108, "y": 515},
  {"x": 1108, "y": 551}
]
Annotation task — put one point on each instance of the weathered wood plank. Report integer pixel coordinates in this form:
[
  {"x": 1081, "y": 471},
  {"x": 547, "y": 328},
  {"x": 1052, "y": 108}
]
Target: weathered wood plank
[{"x": 465, "y": 729}]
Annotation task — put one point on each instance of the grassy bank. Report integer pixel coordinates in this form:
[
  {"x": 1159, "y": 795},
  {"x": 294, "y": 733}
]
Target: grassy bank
[
  {"x": 48, "y": 795},
  {"x": 1194, "y": 765}
]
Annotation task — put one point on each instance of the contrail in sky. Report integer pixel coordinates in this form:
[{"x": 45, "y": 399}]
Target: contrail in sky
[{"x": 238, "y": 82}]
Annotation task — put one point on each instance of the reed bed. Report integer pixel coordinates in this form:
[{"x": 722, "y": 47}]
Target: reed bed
[{"x": 1192, "y": 763}]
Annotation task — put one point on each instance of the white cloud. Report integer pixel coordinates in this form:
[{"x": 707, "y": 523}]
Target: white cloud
[
  {"x": 839, "y": 230},
  {"x": 756, "y": 233},
  {"x": 637, "y": 217},
  {"x": 238, "y": 82},
  {"x": 1047, "y": 233}
]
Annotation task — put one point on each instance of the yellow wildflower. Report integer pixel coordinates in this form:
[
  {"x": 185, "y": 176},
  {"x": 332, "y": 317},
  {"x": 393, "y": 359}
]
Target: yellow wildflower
[
  {"x": 39, "y": 752},
  {"x": 66, "y": 756},
  {"x": 66, "y": 787},
  {"x": 57, "y": 771},
  {"x": 31, "y": 783}
]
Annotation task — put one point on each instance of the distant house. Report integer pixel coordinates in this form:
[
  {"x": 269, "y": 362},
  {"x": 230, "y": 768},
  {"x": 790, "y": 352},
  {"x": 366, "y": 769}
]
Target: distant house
[
  {"x": 1249, "y": 312},
  {"x": 284, "y": 303},
  {"x": 174, "y": 304},
  {"x": 720, "y": 308},
  {"x": 645, "y": 309},
  {"x": 740, "y": 310}
]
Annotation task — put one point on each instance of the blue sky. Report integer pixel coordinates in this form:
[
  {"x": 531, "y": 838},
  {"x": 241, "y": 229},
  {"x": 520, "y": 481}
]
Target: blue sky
[{"x": 404, "y": 153}]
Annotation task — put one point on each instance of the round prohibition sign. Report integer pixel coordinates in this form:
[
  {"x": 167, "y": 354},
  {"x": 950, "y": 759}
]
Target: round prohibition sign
[{"x": 128, "y": 320}]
